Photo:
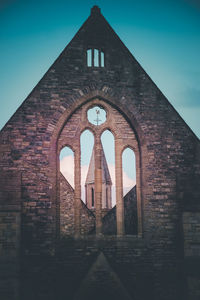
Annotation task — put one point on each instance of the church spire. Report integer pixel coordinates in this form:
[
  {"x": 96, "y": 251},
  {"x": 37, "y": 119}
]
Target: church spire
[
  {"x": 95, "y": 10},
  {"x": 105, "y": 171},
  {"x": 106, "y": 183}
]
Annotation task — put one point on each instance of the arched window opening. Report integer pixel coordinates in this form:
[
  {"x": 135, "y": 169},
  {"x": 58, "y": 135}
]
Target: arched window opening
[
  {"x": 100, "y": 173},
  {"x": 129, "y": 191},
  {"x": 89, "y": 57},
  {"x": 129, "y": 170},
  {"x": 67, "y": 164},
  {"x": 66, "y": 191},
  {"x": 95, "y": 58},
  {"x": 102, "y": 59},
  {"x": 108, "y": 184},
  {"x": 87, "y": 166},
  {"x": 108, "y": 167}
]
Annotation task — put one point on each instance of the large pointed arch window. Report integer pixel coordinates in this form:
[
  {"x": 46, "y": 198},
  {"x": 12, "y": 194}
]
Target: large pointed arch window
[{"x": 105, "y": 207}]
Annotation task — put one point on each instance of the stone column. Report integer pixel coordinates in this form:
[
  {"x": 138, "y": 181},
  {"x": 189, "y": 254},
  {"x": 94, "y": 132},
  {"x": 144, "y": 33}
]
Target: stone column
[
  {"x": 98, "y": 184},
  {"x": 92, "y": 57},
  {"x": 138, "y": 191},
  {"x": 77, "y": 192},
  {"x": 119, "y": 188}
]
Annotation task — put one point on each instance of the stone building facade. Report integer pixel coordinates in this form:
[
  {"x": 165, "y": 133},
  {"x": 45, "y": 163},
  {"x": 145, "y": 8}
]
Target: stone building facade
[{"x": 159, "y": 260}]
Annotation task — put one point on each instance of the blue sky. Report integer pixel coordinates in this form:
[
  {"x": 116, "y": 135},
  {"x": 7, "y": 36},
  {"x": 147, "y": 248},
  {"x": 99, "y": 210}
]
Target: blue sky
[{"x": 164, "y": 36}]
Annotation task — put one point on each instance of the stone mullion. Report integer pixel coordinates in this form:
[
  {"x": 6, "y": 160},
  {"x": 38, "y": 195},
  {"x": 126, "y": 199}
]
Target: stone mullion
[
  {"x": 77, "y": 192},
  {"x": 99, "y": 58},
  {"x": 98, "y": 185},
  {"x": 138, "y": 191},
  {"x": 92, "y": 57},
  {"x": 119, "y": 188}
]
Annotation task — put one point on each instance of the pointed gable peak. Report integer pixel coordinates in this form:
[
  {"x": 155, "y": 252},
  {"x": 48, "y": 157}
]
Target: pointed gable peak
[{"x": 95, "y": 10}]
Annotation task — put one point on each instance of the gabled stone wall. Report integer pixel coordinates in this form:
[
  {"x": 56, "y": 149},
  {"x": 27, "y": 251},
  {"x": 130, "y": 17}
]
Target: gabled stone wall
[{"x": 168, "y": 151}]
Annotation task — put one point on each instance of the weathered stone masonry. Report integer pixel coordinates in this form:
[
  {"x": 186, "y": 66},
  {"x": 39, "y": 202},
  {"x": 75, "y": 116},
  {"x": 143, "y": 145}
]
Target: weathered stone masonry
[{"x": 158, "y": 262}]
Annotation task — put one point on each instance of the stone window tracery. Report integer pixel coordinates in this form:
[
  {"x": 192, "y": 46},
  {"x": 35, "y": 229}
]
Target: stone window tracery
[{"x": 124, "y": 137}]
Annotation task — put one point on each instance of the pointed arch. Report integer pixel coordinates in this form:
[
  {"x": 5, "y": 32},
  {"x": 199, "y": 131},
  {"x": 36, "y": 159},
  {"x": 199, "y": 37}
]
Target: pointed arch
[
  {"x": 86, "y": 144},
  {"x": 82, "y": 104}
]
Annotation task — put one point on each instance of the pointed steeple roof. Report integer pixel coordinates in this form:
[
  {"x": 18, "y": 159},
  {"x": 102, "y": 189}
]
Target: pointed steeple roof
[
  {"x": 95, "y": 10},
  {"x": 110, "y": 286},
  {"x": 105, "y": 171}
]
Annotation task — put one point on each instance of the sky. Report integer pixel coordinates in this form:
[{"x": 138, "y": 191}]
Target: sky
[{"x": 163, "y": 35}]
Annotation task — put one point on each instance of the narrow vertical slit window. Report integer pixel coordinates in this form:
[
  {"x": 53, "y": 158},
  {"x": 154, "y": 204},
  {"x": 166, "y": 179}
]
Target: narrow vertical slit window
[
  {"x": 96, "y": 58},
  {"x": 102, "y": 59},
  {"x": 89, "y": 57}
]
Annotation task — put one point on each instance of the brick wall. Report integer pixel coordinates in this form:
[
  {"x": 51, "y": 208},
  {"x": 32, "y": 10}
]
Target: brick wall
[
  {"x": 191, "y": 226},
  {"x": 10, "y": 234},
  {"x": 67, "y": 211},
  {"x": 130, "y": 215}
]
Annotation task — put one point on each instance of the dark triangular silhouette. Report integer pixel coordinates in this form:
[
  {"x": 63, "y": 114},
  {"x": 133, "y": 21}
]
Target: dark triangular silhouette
[{"x": 102, "y": 282}]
